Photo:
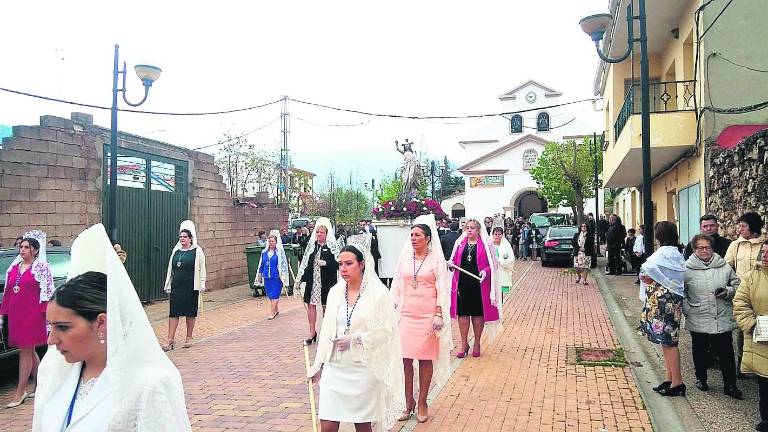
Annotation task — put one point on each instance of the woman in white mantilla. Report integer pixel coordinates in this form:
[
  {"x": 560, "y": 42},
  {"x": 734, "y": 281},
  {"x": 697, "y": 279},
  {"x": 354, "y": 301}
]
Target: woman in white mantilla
[
  {"x": 358, "y": 353},
  {"x": 421, "y": 291},
  {"x": 318, "y": 271},
  {"x": 107, "y": 372},
  {"x": 184, "y": 282},
  {"x": 273, "y": 271}
]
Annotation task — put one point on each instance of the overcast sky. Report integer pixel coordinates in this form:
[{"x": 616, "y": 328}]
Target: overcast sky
[{"x": 400, "y": 57}]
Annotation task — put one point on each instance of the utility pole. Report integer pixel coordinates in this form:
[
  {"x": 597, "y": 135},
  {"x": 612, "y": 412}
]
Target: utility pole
[{"x": 283, "y": 188}]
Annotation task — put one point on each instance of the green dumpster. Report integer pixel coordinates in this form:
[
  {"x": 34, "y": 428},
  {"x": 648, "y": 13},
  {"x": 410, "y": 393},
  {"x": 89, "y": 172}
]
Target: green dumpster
[{"x": 253, "y": 255}]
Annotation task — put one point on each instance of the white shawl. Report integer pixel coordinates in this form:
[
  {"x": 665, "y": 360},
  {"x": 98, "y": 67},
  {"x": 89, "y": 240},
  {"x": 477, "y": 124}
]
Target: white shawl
[
  {"x": 282, "y": 261},
  {"x": 147, "y": 392},
  {"x": 200, "y": 273},
  {"x": 442, "y": 366},
  {"x": 667, "y": 267},
  {"x": 375, "y": 337}
]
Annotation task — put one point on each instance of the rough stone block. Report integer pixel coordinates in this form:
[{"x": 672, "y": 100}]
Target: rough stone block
[
  {"x": 64, "y": 160},
  {"x": 46, "y": 159},
  {"x": 56, "y": 122}
]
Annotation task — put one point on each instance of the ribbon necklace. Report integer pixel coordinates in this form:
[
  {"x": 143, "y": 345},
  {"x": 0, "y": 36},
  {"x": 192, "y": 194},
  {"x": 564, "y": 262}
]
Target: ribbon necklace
[
  {"x": 19, "y": 274},
  {"x": 415, "y": 282},
  {"x": 346, "y": 303},
  {"x": 470, "y": 249},
  {"x": 181, "y": 255}
]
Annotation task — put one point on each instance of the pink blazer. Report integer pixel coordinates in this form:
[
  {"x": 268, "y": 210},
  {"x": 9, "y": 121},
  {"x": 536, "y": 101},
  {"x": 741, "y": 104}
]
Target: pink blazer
[{"x": 490, "y": 312}]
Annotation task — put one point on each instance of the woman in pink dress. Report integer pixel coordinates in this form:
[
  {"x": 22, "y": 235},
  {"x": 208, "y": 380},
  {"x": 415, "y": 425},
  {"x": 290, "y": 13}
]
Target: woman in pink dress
[
  {"x": 28, "y": 286},
  {"x": 420, "y": 291},
  {"x": 475, "y": 291}
]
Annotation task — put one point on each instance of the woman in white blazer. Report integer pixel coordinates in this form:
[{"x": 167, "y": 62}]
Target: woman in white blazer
[{"x": 107, "y": 372}]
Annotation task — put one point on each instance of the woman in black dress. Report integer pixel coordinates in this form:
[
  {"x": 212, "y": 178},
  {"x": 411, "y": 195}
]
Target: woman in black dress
[
  {"x": 184, "y": 282},
  {"x": 318, "y": 271}
]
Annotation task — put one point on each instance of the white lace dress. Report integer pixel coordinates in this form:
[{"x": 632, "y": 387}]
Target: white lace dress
[{"x": 348, "y": 388}]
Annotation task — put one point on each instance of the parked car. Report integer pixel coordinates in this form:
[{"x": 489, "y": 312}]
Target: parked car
[
  {"x": 557, "y": 245},
  {"x": 299, "y": 222},
  {"x": 545, "y": 220},
  {"x": 58, "y": 257}
]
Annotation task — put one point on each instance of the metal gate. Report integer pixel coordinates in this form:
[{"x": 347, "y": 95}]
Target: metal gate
[{"x": 152, "y": 200}]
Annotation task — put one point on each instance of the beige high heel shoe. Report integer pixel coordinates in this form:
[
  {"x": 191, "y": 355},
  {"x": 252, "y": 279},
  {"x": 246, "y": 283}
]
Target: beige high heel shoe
[{"x": 14, "y": 404}]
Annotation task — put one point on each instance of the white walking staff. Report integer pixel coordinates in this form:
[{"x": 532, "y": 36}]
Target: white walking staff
[
  {"x": 311, "y": 390},
  {"x": 452, "y": 265}
]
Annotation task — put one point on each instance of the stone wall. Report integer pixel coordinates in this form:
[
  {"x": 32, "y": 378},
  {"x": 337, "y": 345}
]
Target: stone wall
[
  {"x": 51, "y": 179},
  {"x": 738, "y": 180}
]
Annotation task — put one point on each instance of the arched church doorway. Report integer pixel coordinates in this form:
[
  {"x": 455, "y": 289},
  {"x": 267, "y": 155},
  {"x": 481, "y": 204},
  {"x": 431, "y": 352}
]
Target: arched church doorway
[
  {"x": 457, "y": 211},
  {"x": 530, "y": 202}
]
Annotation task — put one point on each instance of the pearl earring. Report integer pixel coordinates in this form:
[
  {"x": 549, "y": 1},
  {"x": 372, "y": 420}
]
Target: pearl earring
[{"x": 101, "y": 338}]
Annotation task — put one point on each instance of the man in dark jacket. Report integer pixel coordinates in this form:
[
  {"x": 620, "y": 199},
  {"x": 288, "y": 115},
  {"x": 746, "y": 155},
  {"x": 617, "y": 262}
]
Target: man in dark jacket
[
  {"x": 592, "y": 232},
  {"x": 614, "y": 239},
  {"x": 708, "y": 226},
  {"x": 449, "y": 238},
  {"x": 602, "y": 229}
]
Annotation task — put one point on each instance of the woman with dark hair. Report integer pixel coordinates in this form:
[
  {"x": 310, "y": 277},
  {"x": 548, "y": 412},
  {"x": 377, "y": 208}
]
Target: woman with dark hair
[
  {"x": 742, "y": 255},
  {"x": 107, "y": 372},
  {"x": 184, "y": 281},
  {"x": 28, "y": 287},
  {"x": 318, "y": 271},
  {"x": 662, "y": 279},
  {"x": 359, "y": 361},
  {"x": 583, "y": 248},
  {"x": 421, "y": 292},
  {"x": 476, "y": 291}
]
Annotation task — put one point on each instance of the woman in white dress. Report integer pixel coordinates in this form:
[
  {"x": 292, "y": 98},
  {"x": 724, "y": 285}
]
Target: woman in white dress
[
  {"x": 107, "y": 372},
  {"x": 358, "y": 353},
  {"x": 506, "y": 257}
]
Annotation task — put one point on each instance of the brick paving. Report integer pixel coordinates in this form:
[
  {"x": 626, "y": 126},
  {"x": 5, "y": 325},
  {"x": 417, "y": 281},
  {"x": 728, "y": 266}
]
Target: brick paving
[
  {"x": 523, "y": 383},
  {"x": 247, "y": 373}
]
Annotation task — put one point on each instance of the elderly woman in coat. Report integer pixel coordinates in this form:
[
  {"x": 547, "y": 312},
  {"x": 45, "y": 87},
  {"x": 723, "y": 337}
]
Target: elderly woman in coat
[
  {"x": 750, "y": 302},
  {"x": 710, "y": 285}
]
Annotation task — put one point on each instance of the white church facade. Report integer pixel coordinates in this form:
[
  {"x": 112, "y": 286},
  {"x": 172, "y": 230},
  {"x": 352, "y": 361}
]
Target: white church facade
[{"x": 498, "y": 156}]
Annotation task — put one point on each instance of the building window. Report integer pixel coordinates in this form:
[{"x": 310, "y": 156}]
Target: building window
[
  {"x": 530, "y": 157},
  {"x": 542, "y": 122},
  {"x": 516, "y": 124}
]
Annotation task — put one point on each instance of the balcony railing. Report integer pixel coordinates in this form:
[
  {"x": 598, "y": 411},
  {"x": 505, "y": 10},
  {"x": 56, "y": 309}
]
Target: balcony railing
[{"x": 668, "y": 96}]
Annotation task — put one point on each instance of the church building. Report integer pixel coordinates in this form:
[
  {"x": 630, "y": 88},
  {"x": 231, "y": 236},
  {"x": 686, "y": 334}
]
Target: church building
[{"x": 498, "y": 156}]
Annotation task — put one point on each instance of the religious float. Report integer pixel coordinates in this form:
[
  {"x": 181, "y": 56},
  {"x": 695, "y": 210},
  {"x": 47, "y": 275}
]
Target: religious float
[{"x": 394, "y": 217}]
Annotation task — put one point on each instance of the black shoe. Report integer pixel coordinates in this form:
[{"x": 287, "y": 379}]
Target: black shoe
[
  {"x": 762, "y": 426},
  {"x": 733, "y": 392},
  {"x": 310, "y": 340},
  {"x": 702, "y": 385},
  {"x": 637, "y": 282},
  {"x": 662, "y": 386},
  {"x": 673, "y": 391}
]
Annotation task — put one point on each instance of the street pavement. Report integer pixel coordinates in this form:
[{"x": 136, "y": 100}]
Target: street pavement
[{"x": 247, "y": 373}]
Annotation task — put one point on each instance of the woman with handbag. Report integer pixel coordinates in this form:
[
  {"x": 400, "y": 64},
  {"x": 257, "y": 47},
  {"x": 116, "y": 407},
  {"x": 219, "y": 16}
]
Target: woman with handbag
[
  {"x": 583, "y": 248},
  {"x": 751, "y": 302}
]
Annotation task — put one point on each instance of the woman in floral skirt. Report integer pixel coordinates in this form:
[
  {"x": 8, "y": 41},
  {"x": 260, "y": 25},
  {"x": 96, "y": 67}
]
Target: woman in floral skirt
[{"x": 662, "y": 280}]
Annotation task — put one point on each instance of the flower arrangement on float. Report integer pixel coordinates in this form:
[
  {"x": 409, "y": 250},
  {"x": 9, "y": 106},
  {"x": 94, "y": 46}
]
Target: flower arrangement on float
[{"x": 400, "y": 208}]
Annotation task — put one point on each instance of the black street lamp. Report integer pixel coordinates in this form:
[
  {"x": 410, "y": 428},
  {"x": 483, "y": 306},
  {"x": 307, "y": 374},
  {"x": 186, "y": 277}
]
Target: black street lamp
[
  {"x": 595, "y": 26},
  {"x": 148, "y": 75},
  {"x": 372, "y": 190}
]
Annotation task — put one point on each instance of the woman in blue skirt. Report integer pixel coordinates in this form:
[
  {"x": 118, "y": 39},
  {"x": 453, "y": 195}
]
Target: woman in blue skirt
[{"x": 273, "y": 271}]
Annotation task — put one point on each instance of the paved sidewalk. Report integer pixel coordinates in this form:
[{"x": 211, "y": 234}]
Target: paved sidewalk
[
  {"x": 712, "y": 410},
  {"x": 524, "y": 382}
]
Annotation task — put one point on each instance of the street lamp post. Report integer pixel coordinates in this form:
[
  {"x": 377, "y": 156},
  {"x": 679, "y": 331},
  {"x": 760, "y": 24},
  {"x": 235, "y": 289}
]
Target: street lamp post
[
  {"x": 372, "y": 190},
  {"x": 148, "y": 75},
  {"x": 595, "y": 26}
]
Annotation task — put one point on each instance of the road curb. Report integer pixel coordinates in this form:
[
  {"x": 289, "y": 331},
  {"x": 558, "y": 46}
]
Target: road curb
[{"x": 665, "y": 416}]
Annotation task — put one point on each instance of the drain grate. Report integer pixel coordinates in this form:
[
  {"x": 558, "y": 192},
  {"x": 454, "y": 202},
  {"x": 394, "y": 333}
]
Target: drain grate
[{"x": 586, "y": 356}]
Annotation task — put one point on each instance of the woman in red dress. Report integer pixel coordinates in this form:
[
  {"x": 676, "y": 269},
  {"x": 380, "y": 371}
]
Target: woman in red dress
[{"x": 28, "y": 286}]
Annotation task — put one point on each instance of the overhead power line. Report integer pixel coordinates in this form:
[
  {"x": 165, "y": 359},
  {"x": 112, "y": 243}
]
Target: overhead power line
[
  {"x": 715, "y": 20},
  {"x": 237, "y": 136},
  {"x": 86, "y": 105},
  {"x": 414, "y": 117}
]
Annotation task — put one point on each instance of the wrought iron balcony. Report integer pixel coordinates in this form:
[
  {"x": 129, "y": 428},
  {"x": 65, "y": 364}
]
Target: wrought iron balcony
[{"x": 667, "y": 96}]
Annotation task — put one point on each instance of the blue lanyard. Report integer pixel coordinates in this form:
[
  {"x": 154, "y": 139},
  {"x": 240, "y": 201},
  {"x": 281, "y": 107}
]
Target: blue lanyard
[{"x": 72, "y": 402}]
